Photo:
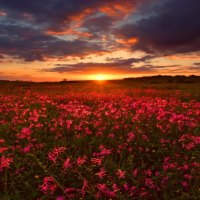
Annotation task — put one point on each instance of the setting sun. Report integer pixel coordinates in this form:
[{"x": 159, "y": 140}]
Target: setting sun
[{"x": 100, "y": 77}]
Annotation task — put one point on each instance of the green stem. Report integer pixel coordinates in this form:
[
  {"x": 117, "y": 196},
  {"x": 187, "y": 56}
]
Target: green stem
[{"x": 47, "y": 172}]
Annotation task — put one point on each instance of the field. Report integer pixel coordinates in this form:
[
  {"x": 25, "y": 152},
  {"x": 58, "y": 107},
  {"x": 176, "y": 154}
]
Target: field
[{"x": 105, "y": 140}]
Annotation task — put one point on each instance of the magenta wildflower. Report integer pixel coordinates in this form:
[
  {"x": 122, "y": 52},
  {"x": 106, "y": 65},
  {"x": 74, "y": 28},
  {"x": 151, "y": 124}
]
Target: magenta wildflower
[
  {"x": 49, "y": 186},
  {"x": 81, "y": 160},
  {"x": 96, "y": 161},
  {"x": 67, "y": 164},
  {"x": 55, "y": 153},
  {"x": 102, "y": 187},
  {"x": 184, "y": 184},
  {"x": 131, "y": 137},
  {"x": 5, "y": 162},
  {"x": 120, "y": 173},
  {"x": 101, "y": 173}
]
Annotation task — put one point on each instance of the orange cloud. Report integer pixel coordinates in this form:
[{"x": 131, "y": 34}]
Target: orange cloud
[
  {"x": 70, "y": 32},
  {"x": 82, "y": 15},
  {"x": 117, "y": 9},
  {"x": 132, "y": 40},
  {"x": 128, "y": 42},
  {"x": 2, "y": 14}
]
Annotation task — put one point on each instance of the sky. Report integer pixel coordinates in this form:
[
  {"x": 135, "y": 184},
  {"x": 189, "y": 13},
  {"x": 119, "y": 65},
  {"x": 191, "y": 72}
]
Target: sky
[{"x": 48, "y": 40}]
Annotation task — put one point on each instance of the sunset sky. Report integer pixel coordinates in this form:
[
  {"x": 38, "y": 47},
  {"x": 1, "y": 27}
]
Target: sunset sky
[{"x": 49, "y": 40}]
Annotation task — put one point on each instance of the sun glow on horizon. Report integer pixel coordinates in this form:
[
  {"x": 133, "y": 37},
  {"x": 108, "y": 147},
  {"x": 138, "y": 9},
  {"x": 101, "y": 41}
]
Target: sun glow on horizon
[
  {"x": 100, "y": 77},
  {"x": 104, "y": 77}
]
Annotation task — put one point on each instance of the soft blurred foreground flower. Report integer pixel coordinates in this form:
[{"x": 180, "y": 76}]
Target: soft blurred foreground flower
[
  {"x": 5, "y": 162},
  {"x": 120, "y": 173}
]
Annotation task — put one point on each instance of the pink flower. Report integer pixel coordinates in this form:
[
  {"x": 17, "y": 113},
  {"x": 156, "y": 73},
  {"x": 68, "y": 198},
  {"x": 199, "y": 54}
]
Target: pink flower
[
  {"x": 131, "y": 137},
  {"x": 81, "y": 160},
  {"x": 145, "y": 137},
  {"x": 120, "y": 173},
  {"x": 164, "y": 180},
  {"x": 103, "y": 152},
  {"x": 85, "y": 185},
  {"x": 48, "y": 186},
  {"x": 110, "y": 194},
  {"x": 188, "y": 146},
  {"x": 27, "y": 148},
  {"x": 196, "y": 139},
  {"x": 67, "y": 164},
  {"x": 187, "y": 176},
  {"x": 143, "y": 192},
  {"x": 101, "y": 173},
  {"x": 20, "y": 170},
  {"x": 60, "y": 198},
  {"x": 150, "y": 183},
  {"x": 135, "y": 172},
  {"x": 195, "y": 164},
  {"x": 166, "y": 160},
  {"x": 2, "y": 141},
  {"x": 25, "y": 133},
  {"x": 70, "y": 192},
  {"x": 184, "y": 184},
  {"x": 157, "y": 173},
  {"x": 2, "y": 149},
  {"x": 115, "y": 187},
  {"x": 55, "y": 153},
  {"x": 185, "y": 167},
  {"x": 126, "y": 186},
  {"x": 148, "y": 172},
  {"x": 111, "y": 135},
  {"x": 5, "y": 162},
  {"x": 133, "y": 190},
  {"x": 97, "y": 161},
  {"x": 102, "y": 187}
]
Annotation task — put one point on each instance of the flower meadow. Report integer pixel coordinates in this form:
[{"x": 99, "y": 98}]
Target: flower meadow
[{"x": 107, "y": 143}]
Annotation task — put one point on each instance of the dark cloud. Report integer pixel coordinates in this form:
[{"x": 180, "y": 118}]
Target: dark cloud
[
  {"x": 131, "y": 61},
  {"x": 28, "y": 29},
  {"x": 90, "y": 67},
  {"x": 153, "y": 68},
  {"x": 54, "y": 14},
  {"x": 98, "y": 25},
  {"x": 172, "y": 26},
  {"x": 118, "y": 65},
  {"x": 106, "y": 67},
  {"x": 57, "y": 15},
  {"x": 32, "y": 44},
  {"x": 145, "y": 69}
]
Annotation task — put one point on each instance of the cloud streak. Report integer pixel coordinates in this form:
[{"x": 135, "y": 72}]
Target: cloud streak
[{"x": 118, "y": 65}]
